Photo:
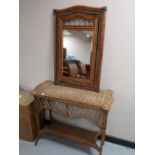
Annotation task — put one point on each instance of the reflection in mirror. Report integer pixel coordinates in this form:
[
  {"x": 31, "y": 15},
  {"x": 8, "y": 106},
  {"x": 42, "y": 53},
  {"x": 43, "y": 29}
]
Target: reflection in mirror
[{"x": 77, "y": 51}]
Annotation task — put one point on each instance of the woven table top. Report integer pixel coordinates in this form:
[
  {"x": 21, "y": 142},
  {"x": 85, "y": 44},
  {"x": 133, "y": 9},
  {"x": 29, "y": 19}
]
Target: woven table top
[{"x": 102, "y": 99}]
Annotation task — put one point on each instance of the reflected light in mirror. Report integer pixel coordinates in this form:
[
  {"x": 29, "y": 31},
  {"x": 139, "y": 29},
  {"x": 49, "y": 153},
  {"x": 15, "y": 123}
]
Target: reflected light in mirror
[{"x": 77, "y": 49}]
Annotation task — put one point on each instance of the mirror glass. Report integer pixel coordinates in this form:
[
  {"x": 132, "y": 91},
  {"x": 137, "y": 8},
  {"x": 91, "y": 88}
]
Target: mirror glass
[{"x": 77, "y": 51}]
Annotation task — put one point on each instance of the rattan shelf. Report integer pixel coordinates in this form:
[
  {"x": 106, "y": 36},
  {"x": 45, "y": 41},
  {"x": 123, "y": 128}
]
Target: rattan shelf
[{"x": 73, "y": 133}]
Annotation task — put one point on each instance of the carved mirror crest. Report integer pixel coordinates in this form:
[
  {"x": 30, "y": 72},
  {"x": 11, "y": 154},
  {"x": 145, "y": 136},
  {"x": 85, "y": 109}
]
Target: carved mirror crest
[{"x": 79, "y": 35}]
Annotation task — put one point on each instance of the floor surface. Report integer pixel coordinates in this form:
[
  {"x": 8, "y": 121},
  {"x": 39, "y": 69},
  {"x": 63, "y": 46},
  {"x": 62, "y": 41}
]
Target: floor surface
[{"x": 57, "y": 146}]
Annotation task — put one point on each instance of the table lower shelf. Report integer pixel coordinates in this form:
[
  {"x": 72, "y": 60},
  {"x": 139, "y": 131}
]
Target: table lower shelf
[{"x": 73, "y": 133}]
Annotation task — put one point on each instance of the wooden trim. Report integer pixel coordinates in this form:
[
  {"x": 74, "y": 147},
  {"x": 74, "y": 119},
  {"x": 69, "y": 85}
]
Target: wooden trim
[
  {"x": 78, "y": 7},
  {"x": 119, "y": 141}
]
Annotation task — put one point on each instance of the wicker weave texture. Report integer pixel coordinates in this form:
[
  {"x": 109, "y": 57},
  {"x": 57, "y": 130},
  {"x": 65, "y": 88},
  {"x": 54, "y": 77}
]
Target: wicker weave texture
[
  {"x": 71, "y": 111},
  {"x": 102, "y": 99}
]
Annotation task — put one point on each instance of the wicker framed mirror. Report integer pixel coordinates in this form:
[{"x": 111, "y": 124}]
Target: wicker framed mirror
[{"x": 79, "y": 35}]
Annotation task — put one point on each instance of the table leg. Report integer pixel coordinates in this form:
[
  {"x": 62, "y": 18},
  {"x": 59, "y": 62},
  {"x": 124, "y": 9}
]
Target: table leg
[
  {"x": 38, "y": 127},
  {"x": 102, "y": 143},
  {"x": 50, "y": 113}
]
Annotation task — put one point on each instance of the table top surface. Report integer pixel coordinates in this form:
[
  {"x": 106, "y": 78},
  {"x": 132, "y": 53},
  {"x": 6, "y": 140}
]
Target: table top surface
[{"x": 102, "y": 99}]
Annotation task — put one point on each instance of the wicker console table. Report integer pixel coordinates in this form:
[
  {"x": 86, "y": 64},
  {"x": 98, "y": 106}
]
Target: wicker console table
[{"x": 73, "y": 103}]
